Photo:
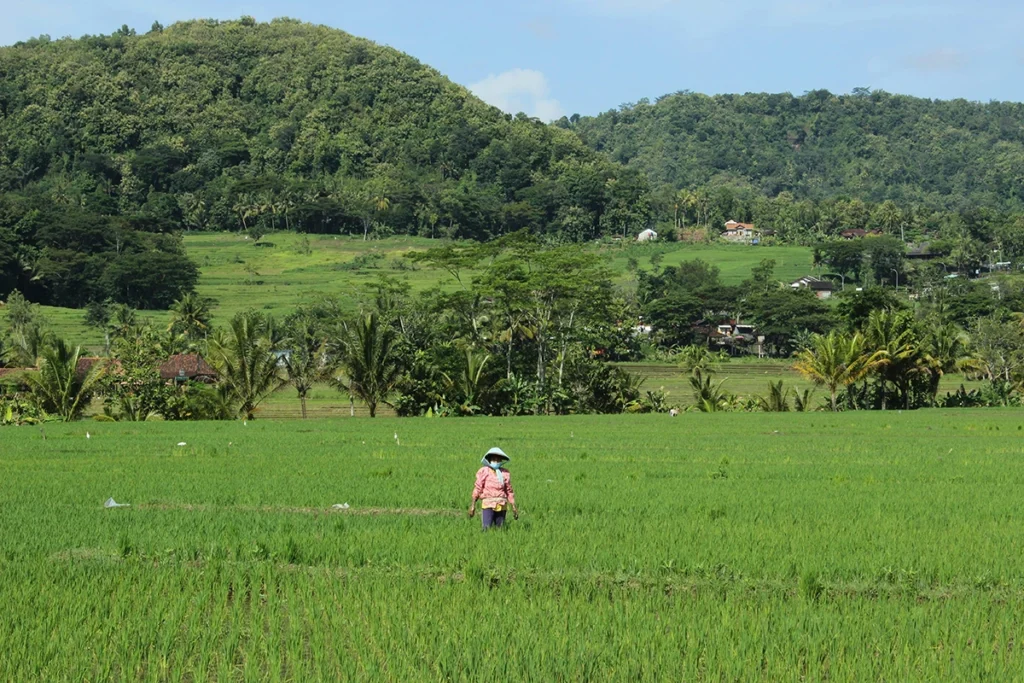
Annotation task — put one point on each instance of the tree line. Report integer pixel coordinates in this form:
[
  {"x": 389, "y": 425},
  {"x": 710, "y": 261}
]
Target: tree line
[
  {"x": 867, "y": 145},
  {"x": 523, "y": 328}
]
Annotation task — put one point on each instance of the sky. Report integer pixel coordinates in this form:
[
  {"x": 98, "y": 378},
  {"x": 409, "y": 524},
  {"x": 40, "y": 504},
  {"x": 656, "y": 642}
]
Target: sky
[{"x": 550, "y": 58}]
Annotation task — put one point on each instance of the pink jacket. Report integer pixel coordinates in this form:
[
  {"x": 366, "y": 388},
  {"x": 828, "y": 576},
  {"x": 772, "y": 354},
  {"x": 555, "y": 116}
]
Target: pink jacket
[{"x": 490, "y": 491}]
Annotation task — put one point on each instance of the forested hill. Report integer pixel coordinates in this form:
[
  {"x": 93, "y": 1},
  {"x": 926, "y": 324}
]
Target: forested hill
[
  {"x": 242, "y": 125},
  {"x": 870, "y": 146}
]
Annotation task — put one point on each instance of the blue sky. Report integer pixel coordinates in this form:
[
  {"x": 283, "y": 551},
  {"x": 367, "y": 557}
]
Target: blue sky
[{"x": 556, "y": 57}]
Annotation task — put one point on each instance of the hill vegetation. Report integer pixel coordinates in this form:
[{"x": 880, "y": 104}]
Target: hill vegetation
[
  {"x": 122, "y": 139},
  {"x": 870, "y": 145},
  {"x": 809, "y": 167}
]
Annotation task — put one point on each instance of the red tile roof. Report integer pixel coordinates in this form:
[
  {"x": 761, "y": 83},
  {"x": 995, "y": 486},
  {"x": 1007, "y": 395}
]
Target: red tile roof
[{"x": 192, "y": 364}]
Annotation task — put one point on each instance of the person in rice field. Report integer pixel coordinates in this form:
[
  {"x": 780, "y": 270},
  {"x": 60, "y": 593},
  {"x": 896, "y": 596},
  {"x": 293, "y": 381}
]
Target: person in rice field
[{"x": 493, "y": 488}]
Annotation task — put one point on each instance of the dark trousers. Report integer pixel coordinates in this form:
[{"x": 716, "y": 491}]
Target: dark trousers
[{"x": 491, "y": 518}]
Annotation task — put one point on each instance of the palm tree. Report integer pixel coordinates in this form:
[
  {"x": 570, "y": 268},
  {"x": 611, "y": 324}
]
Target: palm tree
[
  {"x": 26, "y": 345},
  {"x": 697, "y": 357},
  {"x": 777, "y": 400},
  {"x": 835, "y": 360},
  {"x": 469, "y": 382},
  {"x": 902, "y": 358},
  {"x": 305, "y": 369},
  {"x": 708, "y": 396},
  {"x": 802, "y": 400},
  {"x": 370, "y": 361},
  {"x": 890, "y": 335},
  {"x": 244, "y": 357},
  {"x": 59, "y": 385},
  {"x": 190, "y": 316}
]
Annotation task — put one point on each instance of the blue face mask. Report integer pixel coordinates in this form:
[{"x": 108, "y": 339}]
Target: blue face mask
[{"x": 496, "y": 466}]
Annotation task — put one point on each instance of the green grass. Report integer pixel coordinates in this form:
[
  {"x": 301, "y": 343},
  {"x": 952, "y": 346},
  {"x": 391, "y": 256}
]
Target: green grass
[
  {"x": 847, "y": 547},
  {"x": 748, "y": 377},
  {"x": 298, "y": 269}
]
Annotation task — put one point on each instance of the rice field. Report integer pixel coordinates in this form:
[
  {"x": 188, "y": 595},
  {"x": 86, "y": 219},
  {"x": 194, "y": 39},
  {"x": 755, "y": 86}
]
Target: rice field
[{"x": 721, "y": 547}]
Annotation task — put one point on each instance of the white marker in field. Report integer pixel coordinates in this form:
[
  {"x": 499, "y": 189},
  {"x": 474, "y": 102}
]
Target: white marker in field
[
  {"x": 397, "y": 442},
  {"x": 182, "y": 443},
  {"x": 88, "y": 435}
]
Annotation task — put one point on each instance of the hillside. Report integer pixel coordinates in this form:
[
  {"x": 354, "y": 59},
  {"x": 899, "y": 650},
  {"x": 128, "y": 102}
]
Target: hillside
[
  {"x": 871, "y": 146},
  {"x": 209, "y": 125}
]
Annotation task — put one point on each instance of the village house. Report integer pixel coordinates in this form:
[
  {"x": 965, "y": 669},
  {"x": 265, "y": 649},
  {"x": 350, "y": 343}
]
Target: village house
[
  {"x": 187, "y": 366},
  {"x": 822, "y": 289},
  {"x": 744, "y": 233}
]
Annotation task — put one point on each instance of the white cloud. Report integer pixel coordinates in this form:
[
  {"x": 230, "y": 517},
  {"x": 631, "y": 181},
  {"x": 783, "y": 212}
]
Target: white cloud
[{"x": 519, "y": 90}]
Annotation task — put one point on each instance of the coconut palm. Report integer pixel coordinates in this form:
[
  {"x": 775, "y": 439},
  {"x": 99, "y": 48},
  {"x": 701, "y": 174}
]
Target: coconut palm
[
  {"x": 835, "y": 360},
  {"x": 708, "y": 396},
  {"x": 891, "y": 336},
  {"x": 802, "y": 400},
  {"x": 190, "y": 316},
  {"x": 60, "y": 386},
  {"x": 468, "y": 384},
  {"x": 370, "y": 361},
  {"x": 697, "y": 357},
  {"x": 26, "y": 345},
  {"x": 305, "y": 369},
  {"x": 902, "y": 357},
  {"x": 244, "y": 357},
  {"x": 947, "y": 344},
  {"x": 777, "y": 400}
]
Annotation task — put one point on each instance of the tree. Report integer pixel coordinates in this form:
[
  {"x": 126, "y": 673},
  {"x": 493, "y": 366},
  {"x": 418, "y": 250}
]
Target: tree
[
  {"x": 149, "y": 280},
  {"x": 243, "y": 355},
  {"x": 856, "y": 307},
  {"x": 998, "y": 349},
  {"x": 190, "y": 316},
  {"x": 469, "y": 384},
  {"x": 708, "y": 396},
  {"x": 835, "y": 360},
  {"x": 305, "y": 370},
  {"x": 370, "y": 361},
  {"x": 777, "y": 400},
  {"x": 133, "y": 390},
  {"x": 27, "y": 334},
  {"x": 900, "y": 356},
  {"x": 60, "y": 386},
  {"x": 782, "y": 315}
]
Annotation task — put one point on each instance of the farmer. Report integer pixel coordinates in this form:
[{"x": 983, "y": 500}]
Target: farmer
[{"x": 494, "y": 489}]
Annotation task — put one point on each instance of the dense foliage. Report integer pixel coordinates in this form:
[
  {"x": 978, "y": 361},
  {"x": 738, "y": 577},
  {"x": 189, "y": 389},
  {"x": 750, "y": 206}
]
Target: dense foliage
[
  {"x": 806, "y": 169},
  {"x": 108, "y": 142},
  {"x": 868, "y": 145}
]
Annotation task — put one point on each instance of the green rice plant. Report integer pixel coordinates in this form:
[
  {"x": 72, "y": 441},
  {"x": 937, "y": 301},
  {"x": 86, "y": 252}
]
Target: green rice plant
[{"x": 849, "y": 546}]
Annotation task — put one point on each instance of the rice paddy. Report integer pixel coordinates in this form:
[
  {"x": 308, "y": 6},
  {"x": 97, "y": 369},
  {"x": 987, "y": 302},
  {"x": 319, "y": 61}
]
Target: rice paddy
[{"x": 737, "y": 547}]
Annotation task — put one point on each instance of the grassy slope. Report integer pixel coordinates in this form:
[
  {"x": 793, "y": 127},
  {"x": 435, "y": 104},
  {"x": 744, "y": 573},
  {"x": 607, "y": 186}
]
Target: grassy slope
[
  {"x": 717, "y": 547},
  {"x": 278, "y": 278}
]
